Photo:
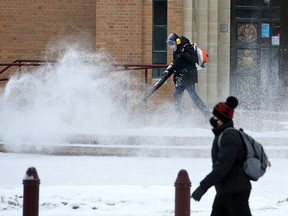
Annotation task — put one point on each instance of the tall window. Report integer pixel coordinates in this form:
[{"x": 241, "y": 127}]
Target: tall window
[{"x": 159, "y": 48}]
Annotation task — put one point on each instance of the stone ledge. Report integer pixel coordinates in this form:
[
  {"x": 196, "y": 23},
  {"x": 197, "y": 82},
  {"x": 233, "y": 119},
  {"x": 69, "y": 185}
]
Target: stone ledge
[
  {"x": 173, "y": 141},
  {"x": 131, "y": 151}
]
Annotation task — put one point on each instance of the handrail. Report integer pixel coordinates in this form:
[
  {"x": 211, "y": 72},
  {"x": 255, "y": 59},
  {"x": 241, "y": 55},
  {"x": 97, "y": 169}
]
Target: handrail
[
  {"x": 144, "y": 67},
  {"x": 23, "y": 62},
  {"x": 7, "y": 66},
  {"x": 19, "y": 63},
  {"x": 28, "y": 62}
]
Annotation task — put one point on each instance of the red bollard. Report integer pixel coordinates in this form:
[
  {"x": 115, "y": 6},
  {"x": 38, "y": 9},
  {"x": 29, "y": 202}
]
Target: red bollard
[
  {"x": 31, "y": 184},
  {"x": 182, "y": 194}
]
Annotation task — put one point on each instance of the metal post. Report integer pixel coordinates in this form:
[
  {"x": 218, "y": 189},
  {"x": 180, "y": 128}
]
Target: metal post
[
  {"x": 182, "y": 194},
  {"x": 31, "y": 184}
]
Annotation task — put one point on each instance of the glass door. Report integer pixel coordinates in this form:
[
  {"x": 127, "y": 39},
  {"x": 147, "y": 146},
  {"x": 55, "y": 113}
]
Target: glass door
[{"x": 255, "y": 43}]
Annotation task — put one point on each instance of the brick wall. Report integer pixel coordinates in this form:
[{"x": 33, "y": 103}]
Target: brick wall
[
  {"x": 147, "y": 32},
  {"x": 27, "y": 26},
  {"x": 119, "y": 29},
  {"x": 125, "y": 31},
  {"x": 122, "y": 27},
  {"x": 175, "y": 19}
]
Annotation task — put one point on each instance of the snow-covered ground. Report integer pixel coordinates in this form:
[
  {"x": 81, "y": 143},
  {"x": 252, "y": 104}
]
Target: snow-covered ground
[
  {"x": 84, "y": 95},
  {"x": 124, "y": 186}
]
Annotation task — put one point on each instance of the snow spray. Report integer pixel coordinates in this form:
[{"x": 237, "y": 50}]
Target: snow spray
[{"x": 82, "y": 93}]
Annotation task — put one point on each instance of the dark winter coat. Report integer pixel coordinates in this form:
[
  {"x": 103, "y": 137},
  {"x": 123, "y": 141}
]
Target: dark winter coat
[
  {"x": 184, "y": 59},
  {"x": 227, "y": 175}
]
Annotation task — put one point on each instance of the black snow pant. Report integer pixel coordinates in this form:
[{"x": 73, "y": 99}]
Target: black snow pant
[{"x": 231, "y": 205}]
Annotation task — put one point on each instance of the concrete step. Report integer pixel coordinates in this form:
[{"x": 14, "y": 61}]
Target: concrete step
[
  {"x": 131, "y": 151},
  {"x": 142, "y": 146},
  {"x": 165, "y": 141}
]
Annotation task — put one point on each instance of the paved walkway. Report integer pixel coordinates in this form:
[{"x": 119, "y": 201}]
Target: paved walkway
[
  {"x": 269, "y": 128},
  {"x": 143, "y": 146}
]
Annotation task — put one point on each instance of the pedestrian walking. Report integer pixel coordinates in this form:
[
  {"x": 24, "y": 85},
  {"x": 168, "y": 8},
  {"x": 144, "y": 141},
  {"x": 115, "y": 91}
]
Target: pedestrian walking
[{"x": 233, "y": 187}]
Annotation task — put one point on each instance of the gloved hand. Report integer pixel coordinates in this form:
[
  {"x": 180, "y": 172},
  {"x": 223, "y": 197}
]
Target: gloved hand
[
  {"x": 169, "y": 69},
  {"x": 165, "y": 73},
  {"x": 198, "y": 193}
]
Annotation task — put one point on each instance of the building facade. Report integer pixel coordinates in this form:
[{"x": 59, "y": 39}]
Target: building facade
[{"x": 246, "y": 40}]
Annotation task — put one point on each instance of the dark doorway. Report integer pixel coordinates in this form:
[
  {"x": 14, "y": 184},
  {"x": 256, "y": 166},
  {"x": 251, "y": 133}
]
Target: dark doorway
[{"x": 255, "y": 53}]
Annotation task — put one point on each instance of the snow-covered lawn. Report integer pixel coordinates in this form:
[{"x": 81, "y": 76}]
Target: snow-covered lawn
[{"x": 124, "y": 186}]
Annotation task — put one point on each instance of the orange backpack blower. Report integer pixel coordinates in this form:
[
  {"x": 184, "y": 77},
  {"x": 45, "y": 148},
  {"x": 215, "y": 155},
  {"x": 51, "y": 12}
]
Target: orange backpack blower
[{"x": 202, "y": 57}]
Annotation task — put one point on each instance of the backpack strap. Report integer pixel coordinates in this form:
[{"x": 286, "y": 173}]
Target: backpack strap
[
  {"x": 186, "y": 44},
  {"x": 220, "y": 136},
  {"x": 194, "y": 47},
  {"x": 240, "y": 131}
]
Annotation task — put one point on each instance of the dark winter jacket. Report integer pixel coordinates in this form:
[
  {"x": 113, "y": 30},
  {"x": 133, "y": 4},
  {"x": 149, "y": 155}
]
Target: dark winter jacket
[
  {"x": 227, "y": 175},
  {"x": 184, "y": 59}
]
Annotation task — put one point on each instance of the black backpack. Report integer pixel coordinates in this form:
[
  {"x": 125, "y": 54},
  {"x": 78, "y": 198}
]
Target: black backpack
[{"x": 256, "y": 161}]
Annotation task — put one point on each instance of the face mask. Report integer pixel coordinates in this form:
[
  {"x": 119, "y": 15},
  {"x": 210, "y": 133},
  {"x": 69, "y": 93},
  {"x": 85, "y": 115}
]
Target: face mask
[
  {"x": 173, "y": 47},
  {"x": 213, "y": 122}
]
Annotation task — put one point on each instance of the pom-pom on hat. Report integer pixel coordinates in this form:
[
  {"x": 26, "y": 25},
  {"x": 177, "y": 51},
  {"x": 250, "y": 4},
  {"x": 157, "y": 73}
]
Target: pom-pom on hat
[{"x": 225, "y": 110}]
